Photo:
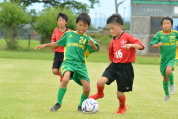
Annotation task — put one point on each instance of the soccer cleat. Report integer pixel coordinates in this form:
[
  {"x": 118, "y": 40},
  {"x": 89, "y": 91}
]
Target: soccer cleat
[
  {"x": 166, "y": 97},
  {"x": 96, "y": 96},
  {"x": 122, "y": 110},
  {"x": 172, "y": 89},
  {"x": 79, "y": 108},
  {"x": 55, "y": 107}
]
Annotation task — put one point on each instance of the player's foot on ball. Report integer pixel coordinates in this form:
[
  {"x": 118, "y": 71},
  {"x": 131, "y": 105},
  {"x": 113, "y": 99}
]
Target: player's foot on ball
[
  {"x": 96, "y": 96},
  {"x": 55, "y": 107},
  {"x": 79, "y": 108},
  {"x": 122, "y": 110},
  {"x": 166, "y": 97},
  {"x": 172, "y": 89}
]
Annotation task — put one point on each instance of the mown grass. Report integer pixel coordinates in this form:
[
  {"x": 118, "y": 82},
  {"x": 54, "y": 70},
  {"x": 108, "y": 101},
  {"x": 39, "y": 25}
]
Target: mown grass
[
  {"x": 28, "y": 89},
  {"x": 47, "y": 54}
]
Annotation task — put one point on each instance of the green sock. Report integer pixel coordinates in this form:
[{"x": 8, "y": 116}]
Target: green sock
[
  {"x": 171, "y": 79},
  {"x": 166, "y": 87},
  {"x": 83, "y": 97},
  {"x": 61, "y": 93}
]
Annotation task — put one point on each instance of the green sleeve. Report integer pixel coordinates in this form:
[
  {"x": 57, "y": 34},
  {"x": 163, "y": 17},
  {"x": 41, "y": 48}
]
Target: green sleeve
[
  {"x": 89, "y": 48},
  {"x": 63, "y": 40},
  {"x": 155, "y": 39}
]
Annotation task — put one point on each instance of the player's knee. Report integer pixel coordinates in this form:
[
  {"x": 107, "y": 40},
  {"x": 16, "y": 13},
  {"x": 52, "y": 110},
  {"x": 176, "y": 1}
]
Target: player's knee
[
  {"x": 86, "y": 91},
  {"x": 120, "y": 94},
  {"x": 55, "y": 72},
  {"x": 168, "y": 72},
  {"x": 100, "y": 83},
  {"x": 65, "y": 81}
]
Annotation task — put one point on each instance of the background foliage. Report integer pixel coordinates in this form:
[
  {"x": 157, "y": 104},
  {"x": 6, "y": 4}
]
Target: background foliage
[
  {"x": 46, "y": 21},
  {"x": 12, "y": 19}
]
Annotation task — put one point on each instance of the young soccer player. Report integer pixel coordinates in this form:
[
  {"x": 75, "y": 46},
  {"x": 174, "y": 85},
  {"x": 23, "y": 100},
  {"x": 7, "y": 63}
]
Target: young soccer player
[
  {"x": 62, "y": 20},
  {"x": 77, "y": 46},
  {"x": 122, "y": 52},
  {"x": 165, "y": 40}
]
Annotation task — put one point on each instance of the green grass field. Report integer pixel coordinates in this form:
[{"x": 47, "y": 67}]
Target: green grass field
[
  {"x": 28, "y": 89},
  {"x": 47, "y": 54}
]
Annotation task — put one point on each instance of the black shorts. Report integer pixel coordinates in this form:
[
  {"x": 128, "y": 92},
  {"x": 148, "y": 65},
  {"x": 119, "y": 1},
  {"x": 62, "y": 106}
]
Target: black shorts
[
  {"x": 123, "y": 73},
  {"x": 58, "y": 59}
]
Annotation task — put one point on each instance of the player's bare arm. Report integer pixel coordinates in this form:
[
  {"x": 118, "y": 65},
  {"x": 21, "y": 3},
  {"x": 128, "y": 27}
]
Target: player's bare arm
[
  {"x": 95, "y": 48},
  {"x": 128, "y": 46},
  {"x": 53, "y": 44},
  {"x": 157, "y": 45}
]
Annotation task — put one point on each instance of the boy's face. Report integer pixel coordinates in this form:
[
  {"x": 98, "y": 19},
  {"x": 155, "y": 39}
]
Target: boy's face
[
  {"x": 166, "y": 25},
  {"x": 82, "y": 27},
  {"x": 61, "y": 22},
  {"x": 115, "y": 29}
]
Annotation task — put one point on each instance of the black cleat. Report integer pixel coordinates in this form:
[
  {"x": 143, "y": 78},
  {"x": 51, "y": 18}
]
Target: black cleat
[
  {"x": 80, "y": 109},
  {"x": 55, "y": 107}
]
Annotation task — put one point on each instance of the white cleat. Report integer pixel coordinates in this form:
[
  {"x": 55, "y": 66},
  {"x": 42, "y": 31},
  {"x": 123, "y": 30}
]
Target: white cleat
[
  {"x": 172, "y": 89},
  {"x": 166, "y": 98}
]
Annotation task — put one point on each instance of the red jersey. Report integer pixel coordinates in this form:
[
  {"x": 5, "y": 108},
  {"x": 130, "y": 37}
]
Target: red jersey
[
  {"x": 57, "y": 36},
  {"x": 118, "y": 54}
]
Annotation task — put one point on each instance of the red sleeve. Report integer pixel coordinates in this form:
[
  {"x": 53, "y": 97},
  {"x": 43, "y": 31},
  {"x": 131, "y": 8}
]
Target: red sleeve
[
  {"x": 110, "y": 51},
  {"x": 134, "y": 40},
  {"x": 53, "y": 37}
]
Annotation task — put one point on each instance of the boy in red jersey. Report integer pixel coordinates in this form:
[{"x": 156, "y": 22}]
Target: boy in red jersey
[
  {"x": 62, "y": 20},
  {"x": 122, "y": 52}
]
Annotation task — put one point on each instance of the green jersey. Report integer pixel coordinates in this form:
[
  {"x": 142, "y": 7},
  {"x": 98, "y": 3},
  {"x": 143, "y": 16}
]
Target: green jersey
[
  {"x": 168, "y": 48},
  {"x": 76, "y": 46}
]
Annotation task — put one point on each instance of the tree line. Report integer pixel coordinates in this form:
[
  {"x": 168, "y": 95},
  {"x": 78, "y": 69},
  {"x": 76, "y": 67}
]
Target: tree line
[{"x": 14, "y": 16}]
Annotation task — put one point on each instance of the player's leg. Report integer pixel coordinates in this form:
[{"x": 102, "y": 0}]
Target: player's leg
[
  {"x": 58, "y": 59},
  {"x": 165, "y": 70},
  {"x": 62, "y": 91},
  {"x": 122, "y": 103},
  {"x": 85, "y": 94},
  {"x": 166, "y": 87},
  {"x": 171, "y": 81},
  {"x": 100, "y": 88},
  {"x": 56, "y": 71},
  {"x": 124, "y": 82},
  {"x": 170, "y": 76},
  {"x": 107, "y": 78}
]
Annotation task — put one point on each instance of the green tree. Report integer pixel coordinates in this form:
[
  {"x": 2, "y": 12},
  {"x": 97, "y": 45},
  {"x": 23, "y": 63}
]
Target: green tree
[
  {"x": 12, "y": 19},
  {"x": 69, "y": 4},
  {"x": 47, "y": 21},
  {"x": 126, "y": 25}
]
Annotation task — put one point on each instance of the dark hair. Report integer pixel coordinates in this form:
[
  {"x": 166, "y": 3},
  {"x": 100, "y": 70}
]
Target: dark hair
[
  {"x": 115, "y": 18},
  {"x": 167, "y": 18},
  {"x": 64, "y": 16},
  {"x": 84, "y": 17}
]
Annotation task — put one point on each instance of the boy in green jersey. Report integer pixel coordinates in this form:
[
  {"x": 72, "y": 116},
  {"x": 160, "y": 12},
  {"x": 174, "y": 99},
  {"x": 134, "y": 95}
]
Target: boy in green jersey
[
  {"x": 165, "y": 40},
  {"x": 77, "y": 47}
]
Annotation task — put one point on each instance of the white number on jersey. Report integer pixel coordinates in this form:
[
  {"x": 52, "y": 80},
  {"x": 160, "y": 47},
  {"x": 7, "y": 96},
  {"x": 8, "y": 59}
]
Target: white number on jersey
[{"x": 118, "y": 54}]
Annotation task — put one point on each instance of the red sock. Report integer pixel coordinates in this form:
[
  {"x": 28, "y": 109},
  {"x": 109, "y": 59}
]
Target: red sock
[
  {"x": 100, "y": 89},
  {"x": 122, "y": 101},
  {"x": 99, "y": 94},
  {"x": 60, "y": 75}
]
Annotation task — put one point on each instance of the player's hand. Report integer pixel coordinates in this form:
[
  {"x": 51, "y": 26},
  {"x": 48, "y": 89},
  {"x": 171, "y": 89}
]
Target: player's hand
[
  {"x": 90, "y": 42},
  {"x": 126, "y": 46},
  {"x": 39, "y": 46},
  {"x": 160, "y": 44}
]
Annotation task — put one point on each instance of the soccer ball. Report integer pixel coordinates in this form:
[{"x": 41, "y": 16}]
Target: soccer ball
[{"x": 90, "y": 106}]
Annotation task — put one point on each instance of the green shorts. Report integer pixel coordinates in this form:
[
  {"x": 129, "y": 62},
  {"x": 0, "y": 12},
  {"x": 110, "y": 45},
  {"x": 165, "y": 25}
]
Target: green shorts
[
  {"x": 164, "y": 65},
  {"x": 78, "y": 69}
]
